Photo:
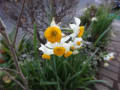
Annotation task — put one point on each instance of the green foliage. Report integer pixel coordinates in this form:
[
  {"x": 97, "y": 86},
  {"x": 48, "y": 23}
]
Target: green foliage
[
  {"x": 103, "y": 22},
  {"x": 60, "y": 73},
  {"x": 35, "y": 42},
  {"x": 24, "y": 49}
]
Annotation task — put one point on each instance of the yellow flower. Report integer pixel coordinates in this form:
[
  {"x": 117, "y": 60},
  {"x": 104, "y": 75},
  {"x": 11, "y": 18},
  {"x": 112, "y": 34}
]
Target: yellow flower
[
  {"x": 45, "y": 56},
  {"x": 6, "y": 79},
  {"x": 59, "y": 51},
  {"x": 81, "y": 31},
  {"x": 53, "y": 34},
  {"x": 69, "y": 53},
  {"x": 78, "y": 43}
]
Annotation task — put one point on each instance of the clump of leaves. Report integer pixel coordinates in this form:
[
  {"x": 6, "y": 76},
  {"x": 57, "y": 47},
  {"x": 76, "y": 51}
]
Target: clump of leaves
[
  {"x": 24, "y": 49},
  {"x": 102, "y": 24},
  {"x": 60, "y": 73}
]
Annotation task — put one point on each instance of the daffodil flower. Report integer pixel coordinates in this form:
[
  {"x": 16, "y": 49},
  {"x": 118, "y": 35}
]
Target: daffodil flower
[
  {"x": 59, "y": 44},
  {"x": 77, "y": 29},
  {"x": 6, "y": 79},
  {"x": 46, "y": 52},
  {"x": 109, "y": 56},
  {"x": 60, "y": 48},
  {"x": 77, "y": 43}
]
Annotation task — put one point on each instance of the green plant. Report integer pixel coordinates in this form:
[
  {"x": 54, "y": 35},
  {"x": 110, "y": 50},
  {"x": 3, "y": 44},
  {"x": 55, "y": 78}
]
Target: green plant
[
  {"x": 23, "y": 48},
  {"x": 101, "y": 25},
  {"x": 60, "y": 73}
]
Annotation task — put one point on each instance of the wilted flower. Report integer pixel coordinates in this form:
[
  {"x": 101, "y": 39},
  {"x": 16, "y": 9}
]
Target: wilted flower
[{"x": 6, "y": 79}]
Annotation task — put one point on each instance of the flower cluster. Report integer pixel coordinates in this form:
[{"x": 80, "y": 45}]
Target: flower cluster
[{"x": 60, "y": 44}]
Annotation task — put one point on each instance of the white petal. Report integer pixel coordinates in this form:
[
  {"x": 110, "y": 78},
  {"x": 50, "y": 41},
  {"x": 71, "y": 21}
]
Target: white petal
[
  {"x": 72, "y": 26},
  {"x": 51, "y": 45},
  {"x": 46, "y": 50},
  {"x": 42, "y": 48},
  {"x": 77, "y": 21},
  {"x": 73, "y": 35},
  {"x": 49, "y": 51},
  {"x": 53, "y": 23},
  {"x": 67, "y": 46},
  {"x": 77, "y": 40},
  {"x": 63, "y": 35},
  {"x": 64, "y": 39},
  {"x": 111, "y": 54},
  {"x": 106, "y": 58}
]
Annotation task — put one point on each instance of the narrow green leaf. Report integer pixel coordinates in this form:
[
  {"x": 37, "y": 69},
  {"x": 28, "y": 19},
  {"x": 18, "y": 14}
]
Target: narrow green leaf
[
  {"x": 102, "y": 35},
  {"x": 35, "y": 41},
  {"x": 48, "y": 83}
]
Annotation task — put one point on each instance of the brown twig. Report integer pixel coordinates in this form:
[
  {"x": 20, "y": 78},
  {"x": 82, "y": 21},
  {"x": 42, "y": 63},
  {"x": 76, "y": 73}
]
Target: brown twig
[
  {"x": 18, "y": 23},
  {"x": 13, "y": 53},
  {"x": 10, "y": 70}
]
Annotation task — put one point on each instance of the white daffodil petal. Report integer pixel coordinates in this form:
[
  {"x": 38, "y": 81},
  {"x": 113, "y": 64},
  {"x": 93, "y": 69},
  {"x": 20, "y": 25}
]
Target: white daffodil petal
[
  {"x": 53, "y": 23},
  {"x": 77, "y": 40},
  {"x": 46, "y": 50},
  {"x": 51, "y": 45},
  {"x": 42, "y": 48},
  {"x": 73, "y": 35},
  {"x": 72, "y": 26},
  {"x": 77, "y": 21},
  {"x": 111, "y": 54},
  {"x": 64, "y": 39},
  {"x": 67, "y": 46}
]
